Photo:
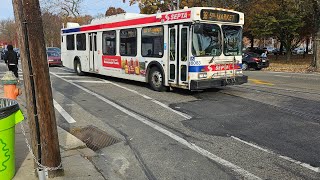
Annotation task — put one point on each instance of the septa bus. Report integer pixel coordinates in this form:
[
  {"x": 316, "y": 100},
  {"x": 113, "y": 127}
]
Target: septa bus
[{"x": 193, "y": 48}]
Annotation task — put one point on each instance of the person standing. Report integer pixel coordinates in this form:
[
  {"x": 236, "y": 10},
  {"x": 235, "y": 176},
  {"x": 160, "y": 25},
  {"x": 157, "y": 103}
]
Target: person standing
[
  {"x": 264, "y": 54},
  {"x": 11, "y": 59}
]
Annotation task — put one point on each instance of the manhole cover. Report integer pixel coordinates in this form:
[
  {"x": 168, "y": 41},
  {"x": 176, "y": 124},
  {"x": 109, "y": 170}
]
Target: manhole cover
[{"x": 95, "y": 138}]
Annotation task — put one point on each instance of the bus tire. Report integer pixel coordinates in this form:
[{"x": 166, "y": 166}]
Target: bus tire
[
  {"x": 155, "y": 80},
  {"x": 77, "y": 68}
]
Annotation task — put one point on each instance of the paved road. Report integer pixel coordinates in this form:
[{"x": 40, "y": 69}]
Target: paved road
[{"x": 266, "y": 129}]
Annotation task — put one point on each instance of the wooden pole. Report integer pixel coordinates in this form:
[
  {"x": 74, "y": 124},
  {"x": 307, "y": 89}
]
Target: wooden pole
[
  {"x": 317, "y": 50},
  {"x": 39, "y": 101}
]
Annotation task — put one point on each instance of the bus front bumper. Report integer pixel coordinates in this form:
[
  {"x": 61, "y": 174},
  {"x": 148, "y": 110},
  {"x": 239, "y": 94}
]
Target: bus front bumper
[{"x": 211, "y": 83}]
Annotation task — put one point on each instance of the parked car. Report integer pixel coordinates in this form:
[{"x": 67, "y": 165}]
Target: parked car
[
  {"x": 255, "y": 50},
  {"x": 298, "y": 51},
  {"x": 254, "y": 60},
  {"x": 54, "y": 58},
  {"x": 56, "y": 49},
  {"x": 277, "y": 51},
  {"x": 17, "y": 50},
  {"x": 3, "y": 52},
  {"x": 271, "y": 50}
]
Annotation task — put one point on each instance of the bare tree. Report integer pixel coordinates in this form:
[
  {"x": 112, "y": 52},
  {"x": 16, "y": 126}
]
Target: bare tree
[
  {"x": 52, "y": 25},
  {"x": 65, "y": 8},
  {"x": 8, "y": 31}
]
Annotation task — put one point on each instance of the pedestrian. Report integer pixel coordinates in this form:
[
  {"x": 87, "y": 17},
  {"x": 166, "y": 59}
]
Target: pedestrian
[
  {"x": 11, "y": 59},
  {"x": 264, "y": 54}
]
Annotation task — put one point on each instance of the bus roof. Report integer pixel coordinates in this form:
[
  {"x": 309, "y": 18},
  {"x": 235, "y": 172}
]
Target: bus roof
[{"x": 179, "y": 16}]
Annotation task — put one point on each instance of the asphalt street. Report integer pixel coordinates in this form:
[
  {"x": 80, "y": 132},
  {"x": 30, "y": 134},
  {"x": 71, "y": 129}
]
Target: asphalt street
[{"x": 268, "y": 128}]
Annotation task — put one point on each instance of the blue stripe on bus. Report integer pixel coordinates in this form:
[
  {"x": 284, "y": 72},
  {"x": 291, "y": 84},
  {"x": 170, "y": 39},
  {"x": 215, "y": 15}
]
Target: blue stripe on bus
[
  {"x": 71, "y": 30},
  {"x": 197, "y": 68}
]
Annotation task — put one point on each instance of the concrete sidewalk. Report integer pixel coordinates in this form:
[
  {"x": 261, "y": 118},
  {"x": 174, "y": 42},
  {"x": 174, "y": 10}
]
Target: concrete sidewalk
[{"x": 74, "y": 154}]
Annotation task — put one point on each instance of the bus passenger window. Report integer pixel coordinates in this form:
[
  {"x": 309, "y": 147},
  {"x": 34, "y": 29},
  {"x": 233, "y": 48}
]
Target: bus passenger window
[
  {"x": 70, "y": 42},
  {"x": 128, "y": 42},
  {"x": 152, "y": 41},
  {"x": 109, "y": 43},
  {"x": 81, "y": 42}
]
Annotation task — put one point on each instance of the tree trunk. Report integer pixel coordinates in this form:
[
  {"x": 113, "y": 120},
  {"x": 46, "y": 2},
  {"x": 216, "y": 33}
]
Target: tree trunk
[{"x": 41, "y": 114}]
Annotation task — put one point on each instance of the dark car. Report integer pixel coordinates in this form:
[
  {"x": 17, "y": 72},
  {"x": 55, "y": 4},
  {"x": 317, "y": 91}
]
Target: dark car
[
  {"x": 255, "y": 50},
  {"x": 254, "y": 60},
  {"x": 54, "y": 58}
]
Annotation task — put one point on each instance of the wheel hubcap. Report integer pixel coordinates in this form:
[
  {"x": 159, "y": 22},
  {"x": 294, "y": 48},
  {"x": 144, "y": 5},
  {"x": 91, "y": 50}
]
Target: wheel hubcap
[{"x": 157, "y": 79}]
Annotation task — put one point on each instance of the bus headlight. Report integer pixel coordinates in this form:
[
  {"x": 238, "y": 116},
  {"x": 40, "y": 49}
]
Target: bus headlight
[
  {"x": 238, "y": 72},
  {"x": 202, "y": 75}
]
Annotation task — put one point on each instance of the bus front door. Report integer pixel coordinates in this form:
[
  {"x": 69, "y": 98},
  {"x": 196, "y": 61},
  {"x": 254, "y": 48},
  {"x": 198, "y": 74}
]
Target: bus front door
[
  {"x": 93, "y": 54},
  {"x": 178, "y": 55}
]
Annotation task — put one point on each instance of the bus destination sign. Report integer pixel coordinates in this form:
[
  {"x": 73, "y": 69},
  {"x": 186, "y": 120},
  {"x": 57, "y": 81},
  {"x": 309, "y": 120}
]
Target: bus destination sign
[{"x": 216, "y": 15}]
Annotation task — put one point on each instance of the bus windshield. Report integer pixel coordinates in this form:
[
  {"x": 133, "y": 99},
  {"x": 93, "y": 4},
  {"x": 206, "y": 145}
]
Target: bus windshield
[
  {"x": 232, "y": 40},
  {"x": 206, "y": 40}
]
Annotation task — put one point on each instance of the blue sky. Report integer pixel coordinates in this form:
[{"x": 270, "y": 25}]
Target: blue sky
[{"x": 92, "y": 7}]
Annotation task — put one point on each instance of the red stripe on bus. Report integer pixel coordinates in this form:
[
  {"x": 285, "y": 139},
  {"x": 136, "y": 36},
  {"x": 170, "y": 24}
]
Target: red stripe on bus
[{"x": 145, "y": 20}]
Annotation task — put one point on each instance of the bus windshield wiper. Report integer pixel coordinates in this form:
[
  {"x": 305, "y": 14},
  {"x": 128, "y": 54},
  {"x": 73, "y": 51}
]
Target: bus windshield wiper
[{"x": 212, "y": 59}]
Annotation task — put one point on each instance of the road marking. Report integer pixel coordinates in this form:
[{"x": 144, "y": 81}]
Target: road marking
[
  {"x": 186, "y": 116},
  {"x": 282, "y": 76},
  {"x": 84, "y": 81},
  {"x": 74, "y": 76},
  {"x": 63, "y": 113},
  {"x": 65, "y": 69},
  {"x": 308, "y": 166},
  {"x": 219, "y": 160},
  {"x": 257, "y": 81},
  {"x": 305, "y": 74},
  {"x": 70, "y": 73}
]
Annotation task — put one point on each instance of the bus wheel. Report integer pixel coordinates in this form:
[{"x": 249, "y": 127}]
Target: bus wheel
[
  {"x": 77, "y": 68},
  {"x": 156, "y": 80}
]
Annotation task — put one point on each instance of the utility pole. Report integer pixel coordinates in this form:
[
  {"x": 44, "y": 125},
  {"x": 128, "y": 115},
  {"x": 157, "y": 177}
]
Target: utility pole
[
  {"x": 317, "y": 50},
  {"x": 40, "y": 110}
]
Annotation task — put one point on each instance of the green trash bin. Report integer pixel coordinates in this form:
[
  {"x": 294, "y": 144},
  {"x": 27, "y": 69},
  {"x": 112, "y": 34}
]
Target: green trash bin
[{"x": 10, "y": 115}]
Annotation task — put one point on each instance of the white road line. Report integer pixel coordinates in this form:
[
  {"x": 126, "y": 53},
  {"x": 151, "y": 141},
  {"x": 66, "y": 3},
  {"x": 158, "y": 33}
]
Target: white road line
[
  {"x": 74, "y": 76},
  {"x": 63, "y": 113},
  {"x": 233, "y": 167},
  {"x": 308, "y": 166},
  {"x": 283, "y": 76},
  {"x": 70, "y": 73},
  {"x": 84, "y": 81},
  {"x": 186, "y": 116},
  {"x": 306, "y": 74},
  {"x": 65, "y": 69}
]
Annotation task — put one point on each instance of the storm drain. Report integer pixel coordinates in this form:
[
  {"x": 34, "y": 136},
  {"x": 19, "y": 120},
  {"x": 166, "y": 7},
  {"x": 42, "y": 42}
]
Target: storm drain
[{"x": 95, "y": 138}]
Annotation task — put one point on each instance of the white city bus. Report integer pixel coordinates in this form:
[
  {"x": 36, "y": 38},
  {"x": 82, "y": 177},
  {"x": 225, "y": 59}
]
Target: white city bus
[{"x": 194, "y": 48}]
